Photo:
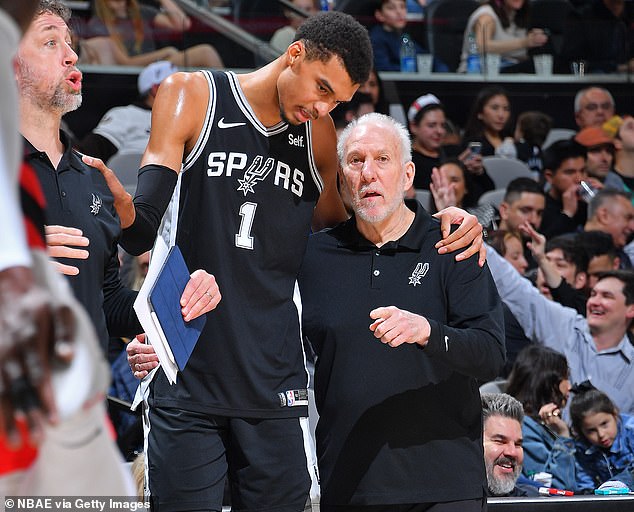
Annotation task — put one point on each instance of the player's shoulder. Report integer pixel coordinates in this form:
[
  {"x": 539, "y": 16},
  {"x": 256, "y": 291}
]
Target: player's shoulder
[
  {"x": 185, "y": 83},
  {"x": 182, "y": 94}
]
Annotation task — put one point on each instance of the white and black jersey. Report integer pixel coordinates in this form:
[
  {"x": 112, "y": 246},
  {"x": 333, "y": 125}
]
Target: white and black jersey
[{"x": 247, "y": 196}]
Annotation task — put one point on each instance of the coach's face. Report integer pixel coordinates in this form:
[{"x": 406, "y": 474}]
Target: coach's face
[
  {"x": 309, "y": 89},
  {"x": 374, "y": 176}
]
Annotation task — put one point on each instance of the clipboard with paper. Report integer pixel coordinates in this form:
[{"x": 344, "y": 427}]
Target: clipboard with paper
[
  {"x": 165, "y": 308},
  {"x": 159, "y": 328}
]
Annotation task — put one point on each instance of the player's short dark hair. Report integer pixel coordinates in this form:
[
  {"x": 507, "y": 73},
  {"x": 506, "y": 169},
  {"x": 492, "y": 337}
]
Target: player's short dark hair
[
  {"x": 54, "y": 7},
  {"x": 336, "y": 33}
]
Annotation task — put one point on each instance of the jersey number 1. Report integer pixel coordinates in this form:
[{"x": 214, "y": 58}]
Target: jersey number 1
[{"x": 243, "y": 237}]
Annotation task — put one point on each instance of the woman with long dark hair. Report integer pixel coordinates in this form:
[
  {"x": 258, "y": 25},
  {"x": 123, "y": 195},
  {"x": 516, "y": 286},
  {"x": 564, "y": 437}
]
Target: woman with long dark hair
[{"x": 540, "y": 380}]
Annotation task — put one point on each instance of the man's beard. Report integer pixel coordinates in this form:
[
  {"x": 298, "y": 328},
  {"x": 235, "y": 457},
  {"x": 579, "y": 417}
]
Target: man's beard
[
  {"x": 503, "y": 484},
  {"x": 60, "y": 100},
  {"x": 362, "y": 212}
]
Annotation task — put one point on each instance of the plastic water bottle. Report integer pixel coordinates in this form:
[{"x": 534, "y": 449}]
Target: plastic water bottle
[
  {"x": 408, "y": 54},
  {"x": 473, "y": 55},
  {"x": 325, "y": 5},
  {"x": 507, "y": 149}
]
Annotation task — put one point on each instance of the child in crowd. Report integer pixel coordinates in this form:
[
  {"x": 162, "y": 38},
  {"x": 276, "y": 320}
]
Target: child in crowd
[
  {"x": 386, "y": 35},
  {"x": 604, "y": 440},
  {"x": 510, "y": 245},
  {"x": 531, "y": 131}
]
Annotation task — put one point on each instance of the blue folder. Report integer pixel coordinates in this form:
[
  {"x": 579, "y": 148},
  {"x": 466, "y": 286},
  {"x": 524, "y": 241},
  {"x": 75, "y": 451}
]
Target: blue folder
[{"x": 164, "y": 301}]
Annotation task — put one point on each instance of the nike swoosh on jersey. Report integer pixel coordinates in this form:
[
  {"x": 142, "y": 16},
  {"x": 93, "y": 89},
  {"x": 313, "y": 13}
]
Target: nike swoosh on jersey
[{"x": 222, "y": 124}]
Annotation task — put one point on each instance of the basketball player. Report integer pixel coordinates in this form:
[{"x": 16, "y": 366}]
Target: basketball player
[{"x": 258, "y": 158}]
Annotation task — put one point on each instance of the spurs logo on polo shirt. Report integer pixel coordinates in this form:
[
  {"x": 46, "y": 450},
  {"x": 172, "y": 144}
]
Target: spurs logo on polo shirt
[
  {"x": 419, "y": 272},
  {"x": 96, "y": 204}
]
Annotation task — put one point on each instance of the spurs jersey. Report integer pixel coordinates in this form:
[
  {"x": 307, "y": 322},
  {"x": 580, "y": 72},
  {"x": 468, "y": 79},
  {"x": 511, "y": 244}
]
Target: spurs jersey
[{"x": 247, "y": 195}]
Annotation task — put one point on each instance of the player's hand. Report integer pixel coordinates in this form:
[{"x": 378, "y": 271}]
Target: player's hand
[
  {"x": 122, "y": 199},
  {"x": 394, "y": 326},
  {"x": 469, "y": 234},
  {"x": 141, "y": 357},
  {"x": 62, "y": 242},
  {"x": 32, "y": 334},
  {"x": 201, "y": 295}
]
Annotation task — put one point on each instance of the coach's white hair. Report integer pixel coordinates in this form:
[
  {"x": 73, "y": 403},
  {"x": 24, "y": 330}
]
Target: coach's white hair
[{"x": 376, "y": 119}]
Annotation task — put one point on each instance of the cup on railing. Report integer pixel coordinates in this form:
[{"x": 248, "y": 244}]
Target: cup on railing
[
  {"x": 492, "y": 64},
  {"x": 543, "y": 64},
  {"x": 578, "y": 67},
  {"x": 425, "y": 63}
]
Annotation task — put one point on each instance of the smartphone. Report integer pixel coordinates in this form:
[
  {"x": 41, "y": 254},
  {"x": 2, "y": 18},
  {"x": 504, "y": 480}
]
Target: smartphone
[
  {"x": 475, "y": 148},
  {"x": 586, "y": 191}
]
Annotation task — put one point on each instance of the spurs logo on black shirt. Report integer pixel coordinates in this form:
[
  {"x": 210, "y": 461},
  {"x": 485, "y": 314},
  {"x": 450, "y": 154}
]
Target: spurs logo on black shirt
[
  {"x": 419, "y": 272},
  {"x": 96, "y": 204}
]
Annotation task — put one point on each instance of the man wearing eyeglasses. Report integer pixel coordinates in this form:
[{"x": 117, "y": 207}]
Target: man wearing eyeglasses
[{"x": 593, "y": 107}]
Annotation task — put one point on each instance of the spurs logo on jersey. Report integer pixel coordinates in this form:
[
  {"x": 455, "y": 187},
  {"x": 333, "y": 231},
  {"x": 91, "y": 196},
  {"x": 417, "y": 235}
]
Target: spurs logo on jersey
[
  {"x": 255, "y": 173},
  {"x": 220, "y": 163}
]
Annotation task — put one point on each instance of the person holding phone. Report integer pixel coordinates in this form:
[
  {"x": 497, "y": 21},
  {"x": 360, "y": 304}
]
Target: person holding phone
[{"x": 488, "y": 124}]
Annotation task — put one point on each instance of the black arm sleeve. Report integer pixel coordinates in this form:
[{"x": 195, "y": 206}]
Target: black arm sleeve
[{"x": 153, "y": 193}]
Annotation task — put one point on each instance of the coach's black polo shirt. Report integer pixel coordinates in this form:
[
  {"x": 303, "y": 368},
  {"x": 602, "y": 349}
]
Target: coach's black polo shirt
[
  {"x": 77, "y": 196},
  {"x": 399, "y": 425}
]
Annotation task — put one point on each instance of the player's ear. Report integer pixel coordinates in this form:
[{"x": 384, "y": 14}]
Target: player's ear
[{"x": 294, "y": 51}]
